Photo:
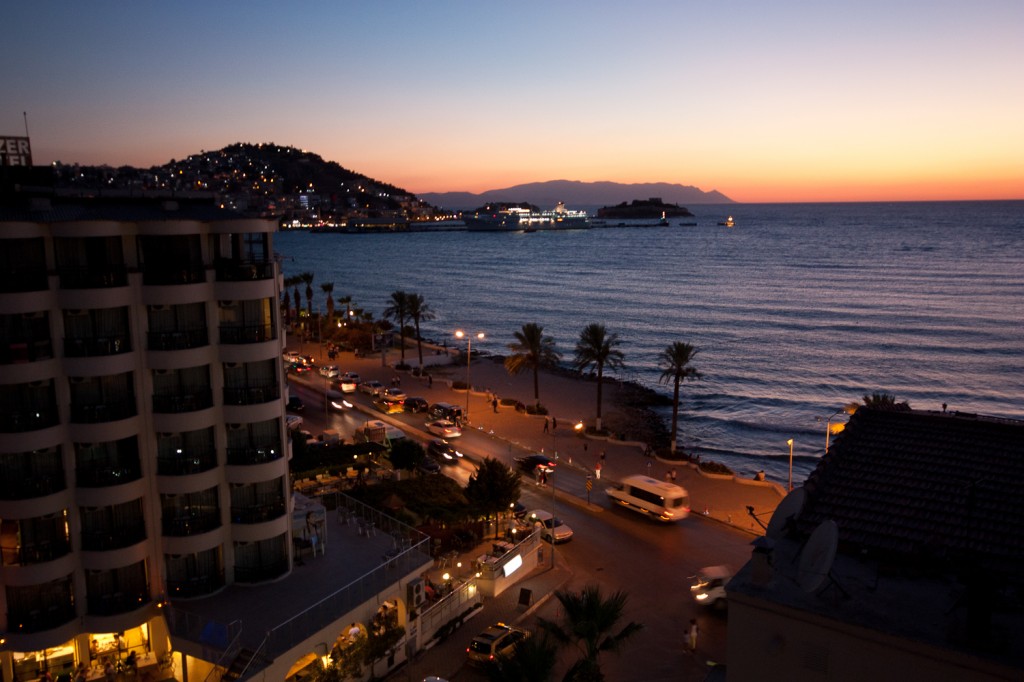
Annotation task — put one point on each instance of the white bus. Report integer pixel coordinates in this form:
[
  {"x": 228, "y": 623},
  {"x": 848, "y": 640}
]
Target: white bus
[{"x": 661, "y": 500}]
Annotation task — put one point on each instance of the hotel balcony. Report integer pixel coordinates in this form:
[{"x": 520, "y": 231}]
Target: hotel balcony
[
  {"x": 235, "y": 270},
  {"x": 199, "y": 399},
  {"x": 100, "y": 276},
  {"x": 108, "y": 411},
  {"x": 25, "y": 475},
  {"x": 251, "y": 395},
  {"x": 178, "y": 339},
  {"x": 253, "y": 333}
]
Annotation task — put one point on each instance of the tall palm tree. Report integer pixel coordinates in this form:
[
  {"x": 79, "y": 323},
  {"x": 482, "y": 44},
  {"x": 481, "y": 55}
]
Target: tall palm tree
[
  {"x": 589, "y": 622},
  {"x": 533, "y": 660},
  {"x": 307, "y": 277},
  {"x": 398, "y": 310},
  {"x": 328, "y": 288},
  {"x": 675, "y": 365},
  {"x": 532, "y": 350},
  {"x": 289, "y": 282},
  {"x": 347, "y": 302},
  {"x": 418, "y": 311},
  {"x": 598, "y": 348}
]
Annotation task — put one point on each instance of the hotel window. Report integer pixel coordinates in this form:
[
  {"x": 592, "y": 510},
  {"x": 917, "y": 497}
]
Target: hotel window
[
  {"x": 177, "y": 327},
  {"x": 188, "y": 452},
  {"x": 96, "y": 332},
  {"x": 112, "y": 527},
  {"x": 102, "y": 399},
  {"x": 98, "y": 465},
  {"x": 250, "y": 383},
  {"x": 24, "y": 475},
  {"x": 25, "y": 337}
]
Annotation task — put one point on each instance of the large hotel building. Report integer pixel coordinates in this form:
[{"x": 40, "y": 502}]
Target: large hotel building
[{"x": 145, "y": 500}]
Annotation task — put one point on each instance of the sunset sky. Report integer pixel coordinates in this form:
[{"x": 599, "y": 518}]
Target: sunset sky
[{"x": 763, "y": 101}]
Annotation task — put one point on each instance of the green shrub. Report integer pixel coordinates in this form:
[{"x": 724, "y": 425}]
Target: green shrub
[
  {"x": 715, "y": 468},
  {"x": 460, "y": 386},
  {"x": 534, "y": 409}
]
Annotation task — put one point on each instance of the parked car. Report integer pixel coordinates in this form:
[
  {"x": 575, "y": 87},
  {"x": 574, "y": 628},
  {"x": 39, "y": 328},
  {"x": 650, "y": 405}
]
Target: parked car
[
  {"x": 293, "y": 421},
  {"x": 388, "y": 405},
  {"x": 445, "y": 452},
  {"x": 552, "y": 526},
  {"x": 329, "y": 371},
  {"x": 375, "y": 430},
  {"x": 445, "y": 411},
  {"x": 531, "y": 463},
  {"x": 415, "y": 405},
  {"x": 291, "y": 356},
  {"x": 497, "y": 641},
  {"x": 374, "y": 388},
  {"x": 295, "y": 404},
  {"x": 444, "y": 428},
  {"x": 307, "y": 360}
]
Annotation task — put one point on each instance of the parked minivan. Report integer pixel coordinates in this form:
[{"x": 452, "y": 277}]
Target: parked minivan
[{"x": 445, "y": 411}]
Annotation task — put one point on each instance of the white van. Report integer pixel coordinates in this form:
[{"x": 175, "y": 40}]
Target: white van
[{"x": 663, "y": 501}]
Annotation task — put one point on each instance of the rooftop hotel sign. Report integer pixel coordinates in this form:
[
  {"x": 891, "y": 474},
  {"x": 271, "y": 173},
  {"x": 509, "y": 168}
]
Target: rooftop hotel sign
[{"x": 15, "y": 151}]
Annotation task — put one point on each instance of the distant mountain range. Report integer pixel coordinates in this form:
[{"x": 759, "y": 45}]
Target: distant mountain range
[{"x": 576, "y": 195}]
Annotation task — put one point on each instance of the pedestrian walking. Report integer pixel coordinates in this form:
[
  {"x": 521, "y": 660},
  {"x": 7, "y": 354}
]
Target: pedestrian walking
[
  {"x": 554, "y": 423},
  {"x": 546, "y": 424},
  {"x": 494, "y": 404},
  {"x": 430, "y": 381},
  {"x": 692, "y": 635},
  {"x": 597, "y": 470},
  {"x": 602, "y": 456},
  {"x": 672, "y": 475}
]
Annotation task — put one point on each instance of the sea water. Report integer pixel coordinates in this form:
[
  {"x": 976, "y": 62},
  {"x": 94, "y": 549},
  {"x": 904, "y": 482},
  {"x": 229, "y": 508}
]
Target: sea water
[{"x": 796, "y": 311}]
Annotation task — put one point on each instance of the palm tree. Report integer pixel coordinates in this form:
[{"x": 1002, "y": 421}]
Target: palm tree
[
  {"x": 493, "y": 488},
  {"x": 418, "y": 311},
  {"x": 347, "y": 302},
  {"x": 289, "y": 282},
  {"x": 307, "y": 277},
  {"x": 675, "y": 365},
  {"x": 598, "y": 348},
  {"x": 588, "y": 621},
  {"x": 328, "y": 288},
  {"x": 531, "y": 350},
  {"x": 884, "y": 401},
  {"x": 398, "y": 310},
  {"x": 533, "y": 660}
]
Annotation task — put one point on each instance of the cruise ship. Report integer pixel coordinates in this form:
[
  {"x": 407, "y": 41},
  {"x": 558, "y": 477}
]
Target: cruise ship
[{"x": 516, "y": 219}]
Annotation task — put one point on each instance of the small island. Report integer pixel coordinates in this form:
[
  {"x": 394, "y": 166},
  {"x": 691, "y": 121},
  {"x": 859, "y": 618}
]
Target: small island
[{"x": 644, "y": 209}]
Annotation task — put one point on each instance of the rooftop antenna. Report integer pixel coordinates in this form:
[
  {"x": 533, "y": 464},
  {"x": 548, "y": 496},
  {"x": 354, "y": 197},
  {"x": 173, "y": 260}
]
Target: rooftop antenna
[
  {"x": 25, "y": 116},
  {"x": 817, "y": 557}
]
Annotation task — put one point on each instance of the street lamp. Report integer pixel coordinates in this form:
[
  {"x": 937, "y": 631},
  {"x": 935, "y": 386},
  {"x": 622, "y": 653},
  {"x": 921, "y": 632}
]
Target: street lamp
[
  {"x": 469, "y": 355},
  {"x": 790, "y": 442}
]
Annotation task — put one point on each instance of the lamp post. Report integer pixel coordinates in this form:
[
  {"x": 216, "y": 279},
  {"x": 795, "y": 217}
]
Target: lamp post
[
  {"x": 790, "y": 442},
  {"x": 469, "y": 356}
]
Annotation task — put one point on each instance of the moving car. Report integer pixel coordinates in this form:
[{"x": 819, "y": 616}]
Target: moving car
[
  {"x": 377, "y": 431},
  {"x": 530, "y": 464},
  {"x": 708, "y": 586},
  {"x": 351, "y": 376},
  {"x": 337, "y": 400},
  {"x": 499, "y": 640},
  {"x": 293, "y": 421},
  {"x": 444, "y": 452},
  {"x": 329, "y": 371},
  {"x": 552, "y": 526},
  {"x": 299, "y": 368},
  {"x": 295, "y": 404},
  {"x": 371, "y": 388},
  {"x": 428, "y": 465},
  {"x": 388, "y": 405},
  {"x": 660, "y": 500},
  {"x": 346, "y": 385},
  {"x": 291, "y": 356},
  {"x": 396, "y": 393},
  {"x": 415, "y": 405},
  {"x": 444, "y": 428}
]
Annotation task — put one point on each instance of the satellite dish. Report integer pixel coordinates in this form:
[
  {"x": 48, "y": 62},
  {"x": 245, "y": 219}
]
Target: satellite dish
[
  {"x": 818, "y": 555},
  {"x": 791, "y": 505}
]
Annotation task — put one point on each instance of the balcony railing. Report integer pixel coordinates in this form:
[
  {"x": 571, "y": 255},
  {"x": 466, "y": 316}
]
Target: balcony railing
[
  {"x": 22, "y": 483},
  {"x": 259, "y": 574},
  {"x": 39, "y": 619},
  {"x": 191, "y": 524},
  {"x": 186, "y": 465},
  {"x": 251, "y": 395},
  {"x": 161, "y": 276},
  {"x": 97, "y": 346},
  {"x": 188, "y": 402},
  {"x": 118, "y": 602},
  {"x": 178, "y": 339},
  {"x": 258, "y": 513},
  {"x": 107, "y": 412},
  {"x": 28, "y": 419},
  {"x": 112, "y": 537},
  {"x": 100, "y": 277},
  {"x": 19, "y": 280},
  {"x": 35, "y": 553},
  {"x": 108, "y": 475},
  {"x": 254, "y": 454},
  {"x": 256, "y": 333},
  {"x": 240, "y": 271},
  {"x": 195, "y": 586},
  {"x": 26, "y": 351}
]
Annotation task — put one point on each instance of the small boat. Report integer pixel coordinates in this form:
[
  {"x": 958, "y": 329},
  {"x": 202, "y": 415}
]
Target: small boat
[{"x": 728, "y": 222}]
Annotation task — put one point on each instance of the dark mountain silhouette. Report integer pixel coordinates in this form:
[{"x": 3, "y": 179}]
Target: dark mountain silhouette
[{"x": 577, "y": 195}]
